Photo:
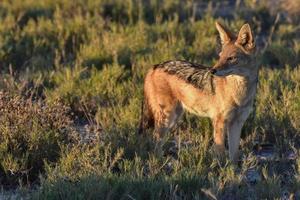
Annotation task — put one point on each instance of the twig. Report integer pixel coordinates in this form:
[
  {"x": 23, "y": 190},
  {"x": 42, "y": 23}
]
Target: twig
[
  {"x": 209, "y": 194},
  {"x": 271, "y": 33}
]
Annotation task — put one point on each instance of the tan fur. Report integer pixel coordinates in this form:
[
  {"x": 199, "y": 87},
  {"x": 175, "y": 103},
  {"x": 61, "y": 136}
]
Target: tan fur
[{"x": 228, "y": 106}]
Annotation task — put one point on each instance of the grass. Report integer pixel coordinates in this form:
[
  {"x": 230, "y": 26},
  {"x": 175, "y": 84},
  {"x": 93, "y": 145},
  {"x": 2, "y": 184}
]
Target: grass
[{"x": 71, "y": 81}]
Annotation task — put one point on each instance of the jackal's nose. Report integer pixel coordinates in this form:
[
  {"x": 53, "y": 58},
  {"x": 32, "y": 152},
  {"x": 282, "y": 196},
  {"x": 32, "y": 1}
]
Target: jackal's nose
[{"x": 213, "y": 71}]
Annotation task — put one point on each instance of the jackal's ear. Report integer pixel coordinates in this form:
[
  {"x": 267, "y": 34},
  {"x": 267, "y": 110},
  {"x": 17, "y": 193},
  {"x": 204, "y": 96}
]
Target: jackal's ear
[
  {"x": 245, "y": 38},
  {"x": 225, "y": 35}
]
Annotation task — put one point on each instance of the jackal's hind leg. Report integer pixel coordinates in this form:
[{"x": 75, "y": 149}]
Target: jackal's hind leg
[
  {"x": 165, "y": 119},
  {"x": 160, "y": 134}
]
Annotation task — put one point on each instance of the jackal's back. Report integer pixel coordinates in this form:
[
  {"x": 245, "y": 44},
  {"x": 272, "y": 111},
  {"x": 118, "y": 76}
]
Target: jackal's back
[{"x": 192, "y": 73}]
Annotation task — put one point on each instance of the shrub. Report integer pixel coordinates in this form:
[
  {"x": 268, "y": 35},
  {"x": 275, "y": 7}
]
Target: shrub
[{"x": 31, "y": 133}]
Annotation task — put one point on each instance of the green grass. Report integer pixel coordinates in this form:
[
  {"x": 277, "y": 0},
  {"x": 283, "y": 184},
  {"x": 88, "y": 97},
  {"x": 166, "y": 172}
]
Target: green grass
[{"x": 66, "y": 64}]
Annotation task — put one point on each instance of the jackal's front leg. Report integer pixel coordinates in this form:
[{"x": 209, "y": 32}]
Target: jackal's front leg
[
  {"x": 220, "y": 128},
  {"x": 234, "y": 135}
]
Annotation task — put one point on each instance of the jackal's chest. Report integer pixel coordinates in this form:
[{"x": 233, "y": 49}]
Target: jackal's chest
[{"x": 242, "y": 92}]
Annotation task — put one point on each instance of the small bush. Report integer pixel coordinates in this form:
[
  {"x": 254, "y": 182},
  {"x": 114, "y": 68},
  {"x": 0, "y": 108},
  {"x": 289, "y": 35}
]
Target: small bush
[{"x": 31, "y": 134}]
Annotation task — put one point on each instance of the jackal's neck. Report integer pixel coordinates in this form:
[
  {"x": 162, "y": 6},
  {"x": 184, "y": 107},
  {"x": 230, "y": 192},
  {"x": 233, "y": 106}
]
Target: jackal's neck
[
  {"x": 249, "y": 76},
  {"x": 242, "y": 88},
  {"x": 243, "y": 80}
]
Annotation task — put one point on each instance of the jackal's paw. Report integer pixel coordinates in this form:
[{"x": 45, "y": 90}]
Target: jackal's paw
[
  {"x": 158, "y": 150},
  {"x": 219, "y": 151}
]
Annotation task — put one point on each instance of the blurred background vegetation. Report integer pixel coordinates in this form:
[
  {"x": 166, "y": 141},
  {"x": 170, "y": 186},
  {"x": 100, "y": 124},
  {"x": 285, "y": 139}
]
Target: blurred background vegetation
[{"x": 71, "y": 90}]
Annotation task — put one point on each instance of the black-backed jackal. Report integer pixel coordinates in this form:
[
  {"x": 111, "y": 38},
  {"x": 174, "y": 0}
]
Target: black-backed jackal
[{"x": 225, "y": 93}]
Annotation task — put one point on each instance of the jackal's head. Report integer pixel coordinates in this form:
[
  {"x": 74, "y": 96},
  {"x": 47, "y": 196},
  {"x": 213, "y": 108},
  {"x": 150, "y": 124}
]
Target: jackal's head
[{"x": 236, "y": 56}]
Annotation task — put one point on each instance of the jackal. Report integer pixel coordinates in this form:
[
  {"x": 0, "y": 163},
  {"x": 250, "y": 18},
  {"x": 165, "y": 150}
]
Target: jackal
[{"x": 225, "y": 92}]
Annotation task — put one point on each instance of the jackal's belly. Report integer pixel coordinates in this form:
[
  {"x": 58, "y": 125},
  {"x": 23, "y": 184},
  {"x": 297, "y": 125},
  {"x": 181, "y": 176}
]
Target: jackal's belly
[
  {"x": 228, "y": 109},
  {"x": 197, "y": 110},
  {"x": 197, "y": 101}
]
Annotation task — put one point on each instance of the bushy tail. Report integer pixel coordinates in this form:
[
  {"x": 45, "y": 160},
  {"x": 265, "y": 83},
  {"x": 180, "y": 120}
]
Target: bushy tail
[{"x": 147, "y": 119}]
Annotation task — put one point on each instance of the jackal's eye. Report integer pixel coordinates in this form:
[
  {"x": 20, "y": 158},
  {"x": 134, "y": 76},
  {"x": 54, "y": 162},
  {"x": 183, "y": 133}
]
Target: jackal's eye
[{"x": 232, "y": 59}]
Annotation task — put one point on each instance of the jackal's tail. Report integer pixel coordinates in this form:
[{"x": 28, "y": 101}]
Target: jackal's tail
[{"x": 147, "y": 118}]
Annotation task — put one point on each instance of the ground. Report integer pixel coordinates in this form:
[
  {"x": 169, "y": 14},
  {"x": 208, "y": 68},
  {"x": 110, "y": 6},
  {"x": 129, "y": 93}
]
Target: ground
[{"x": 71, "y": 92}]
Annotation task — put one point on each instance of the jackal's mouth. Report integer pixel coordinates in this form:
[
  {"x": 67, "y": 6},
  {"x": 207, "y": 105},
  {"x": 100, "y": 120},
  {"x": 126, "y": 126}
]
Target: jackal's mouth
[
  {"x": 222, "y": 72},
  {"x": 213, "y": 71}
]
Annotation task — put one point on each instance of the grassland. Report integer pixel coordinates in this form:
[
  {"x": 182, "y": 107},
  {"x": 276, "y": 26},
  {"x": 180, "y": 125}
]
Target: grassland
[{"x": 71, "y": 90}]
